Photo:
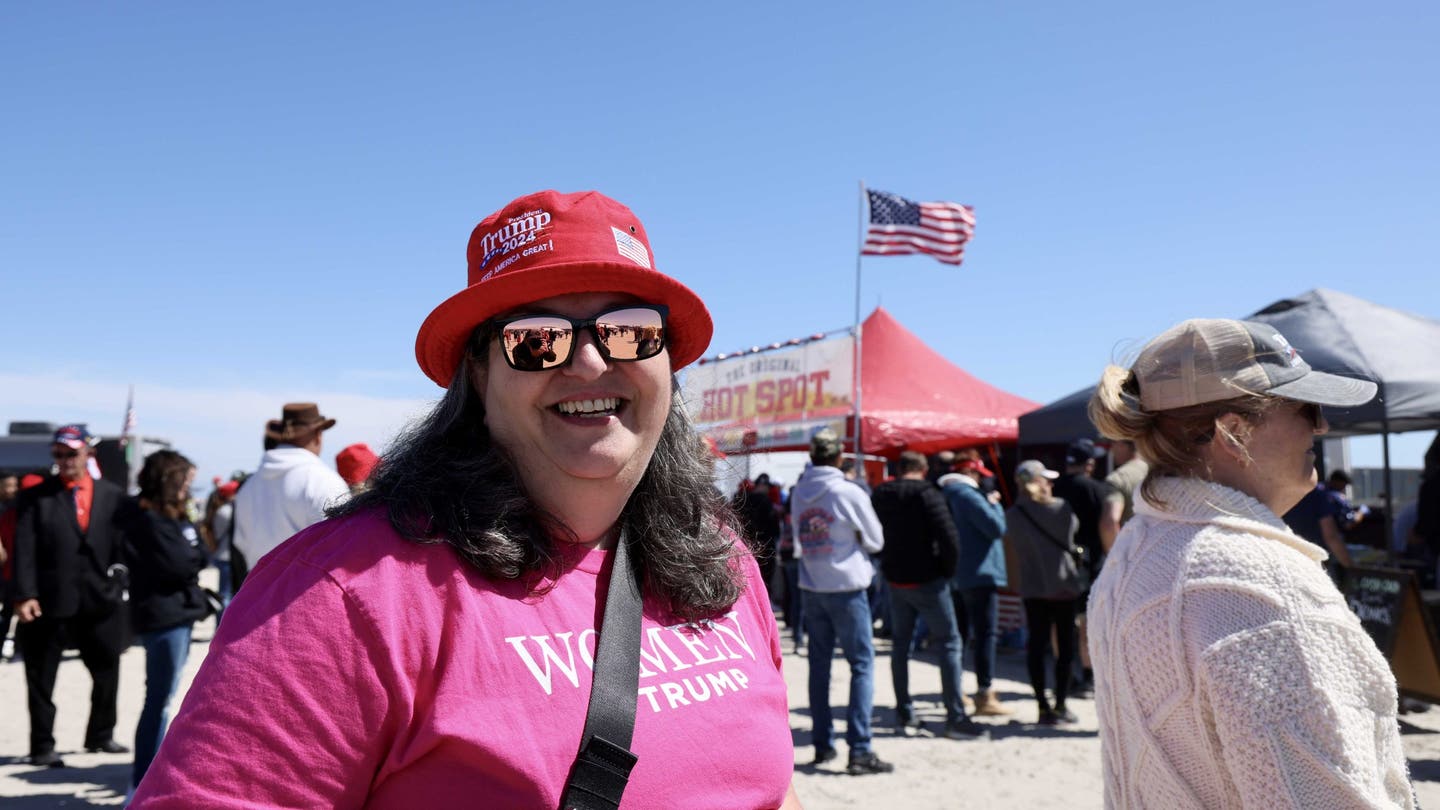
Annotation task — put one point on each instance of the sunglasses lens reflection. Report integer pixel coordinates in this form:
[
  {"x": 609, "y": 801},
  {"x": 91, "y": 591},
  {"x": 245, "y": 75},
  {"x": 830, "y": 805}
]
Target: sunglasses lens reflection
[
  {"x": 541, "y": 342},
  {"x": 636, "y": 333},
  {"x": 538, "y": 343}
]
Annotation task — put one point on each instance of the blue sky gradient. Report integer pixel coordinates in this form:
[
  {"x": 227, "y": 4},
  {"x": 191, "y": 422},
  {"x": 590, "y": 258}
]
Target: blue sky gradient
[{"x": 231, "y": 207}]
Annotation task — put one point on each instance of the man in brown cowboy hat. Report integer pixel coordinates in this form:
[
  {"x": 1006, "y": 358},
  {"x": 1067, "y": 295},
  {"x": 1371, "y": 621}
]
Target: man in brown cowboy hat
[{"x": 293, "y": 487}]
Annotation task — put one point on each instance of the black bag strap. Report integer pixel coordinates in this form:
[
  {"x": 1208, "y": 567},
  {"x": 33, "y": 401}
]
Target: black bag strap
[
  {"x": 603, "y": 765},
  {"x": 1069, "y": 549}
]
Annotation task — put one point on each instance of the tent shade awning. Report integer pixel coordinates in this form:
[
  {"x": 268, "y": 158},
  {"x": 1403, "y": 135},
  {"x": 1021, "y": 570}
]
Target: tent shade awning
[{"x": 1336, "y": 333}]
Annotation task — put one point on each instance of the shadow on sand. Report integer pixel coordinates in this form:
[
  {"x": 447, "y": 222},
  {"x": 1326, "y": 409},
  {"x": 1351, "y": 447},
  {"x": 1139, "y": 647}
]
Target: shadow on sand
[{"x": 94, "y": 786}]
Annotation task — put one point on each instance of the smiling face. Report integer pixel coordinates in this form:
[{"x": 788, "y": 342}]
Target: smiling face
[
  {"x": 1282, "y": 454},
  {"x": 591, "y": 420}
]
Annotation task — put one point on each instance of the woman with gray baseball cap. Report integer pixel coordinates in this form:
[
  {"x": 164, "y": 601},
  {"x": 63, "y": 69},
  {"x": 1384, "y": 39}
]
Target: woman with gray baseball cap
[{"x": 1229, "y": 671}]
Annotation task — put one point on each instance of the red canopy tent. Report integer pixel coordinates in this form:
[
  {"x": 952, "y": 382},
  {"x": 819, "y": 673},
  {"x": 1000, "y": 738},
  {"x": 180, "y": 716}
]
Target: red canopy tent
[{"x": 912, "y": 398}]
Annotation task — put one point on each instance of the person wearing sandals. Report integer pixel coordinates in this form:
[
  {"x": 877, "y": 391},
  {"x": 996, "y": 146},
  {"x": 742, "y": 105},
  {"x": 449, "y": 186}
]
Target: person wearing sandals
[
  {"x": 434, "y": 642},
  {"x": 1229, "y": 670},
  {"x": 1046, "y": 571}
]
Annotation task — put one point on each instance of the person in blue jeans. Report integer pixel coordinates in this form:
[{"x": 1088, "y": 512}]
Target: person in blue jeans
[
  {"x": 166, "y": 558},
  {"x": 919, "y": 558},
  {"x": 980, "y": 572},
  {"x": 837, "y": 531}
]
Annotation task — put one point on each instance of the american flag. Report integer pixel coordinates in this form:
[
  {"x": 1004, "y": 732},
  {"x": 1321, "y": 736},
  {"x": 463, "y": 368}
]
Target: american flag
[
  {"x": 631, "y": 248},
  {"x": 129, "y": 427},
  {"x": 899, "y": 226}
]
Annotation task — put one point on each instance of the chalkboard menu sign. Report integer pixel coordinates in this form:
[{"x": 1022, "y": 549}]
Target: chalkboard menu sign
[{"x": 1377, "y": 596}]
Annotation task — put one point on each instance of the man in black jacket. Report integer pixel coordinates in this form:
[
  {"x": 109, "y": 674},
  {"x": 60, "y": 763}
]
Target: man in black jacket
[
  {"x": 67, "y": 541},
  {"x": 921, "y": 547}
]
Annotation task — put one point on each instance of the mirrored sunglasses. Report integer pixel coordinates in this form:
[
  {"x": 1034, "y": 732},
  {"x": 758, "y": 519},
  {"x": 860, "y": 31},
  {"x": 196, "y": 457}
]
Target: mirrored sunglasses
[{"x": 542, "y": 342}]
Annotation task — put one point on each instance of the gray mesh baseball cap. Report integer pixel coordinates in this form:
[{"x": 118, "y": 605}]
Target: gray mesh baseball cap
[{"x": 1209, "y": 360}]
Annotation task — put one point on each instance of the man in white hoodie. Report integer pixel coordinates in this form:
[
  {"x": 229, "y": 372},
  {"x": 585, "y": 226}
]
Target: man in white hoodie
[
  {"x": 293, "y": 487},
  {"x": 837, "y": 531}
]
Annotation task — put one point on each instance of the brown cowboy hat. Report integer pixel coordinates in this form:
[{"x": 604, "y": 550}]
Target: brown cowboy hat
[{"x": 297, "y": 419}]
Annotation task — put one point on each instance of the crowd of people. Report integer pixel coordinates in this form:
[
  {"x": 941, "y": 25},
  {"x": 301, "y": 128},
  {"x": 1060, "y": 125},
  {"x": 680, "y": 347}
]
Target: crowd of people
[
  {"x": 539, "y": 598},
  {"x": 88, "y": 567},
  {"x": 922, "y": 559}
]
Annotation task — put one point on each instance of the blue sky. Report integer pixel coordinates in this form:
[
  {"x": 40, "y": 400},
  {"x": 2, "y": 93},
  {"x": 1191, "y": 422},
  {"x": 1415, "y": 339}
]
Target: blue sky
[{"x": 232, "y": 207}]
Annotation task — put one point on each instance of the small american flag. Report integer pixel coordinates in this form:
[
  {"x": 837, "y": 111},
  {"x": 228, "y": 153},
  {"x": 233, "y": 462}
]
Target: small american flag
[
  {"x": 129, "y": 427},
  {"x": 900, "y": 226},
  {"x": 631, "y": 248}
]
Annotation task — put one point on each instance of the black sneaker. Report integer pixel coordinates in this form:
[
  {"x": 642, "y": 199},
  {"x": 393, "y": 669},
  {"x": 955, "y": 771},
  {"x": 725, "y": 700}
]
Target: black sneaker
[
  {"x": 966, "y": 729},
  {"x": 1048, "y": 717},
  {"x": 1064, "y": 717},
  {"x": 107, "y": 747},
  {"x": 909, "y": 726},
  {"x": 824, "y": 755},
  {"x": 867, "y": 763}
]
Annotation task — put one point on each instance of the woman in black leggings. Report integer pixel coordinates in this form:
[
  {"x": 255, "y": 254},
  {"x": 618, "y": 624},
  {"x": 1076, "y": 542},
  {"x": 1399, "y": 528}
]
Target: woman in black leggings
[{"x": 1040, "y": 542}]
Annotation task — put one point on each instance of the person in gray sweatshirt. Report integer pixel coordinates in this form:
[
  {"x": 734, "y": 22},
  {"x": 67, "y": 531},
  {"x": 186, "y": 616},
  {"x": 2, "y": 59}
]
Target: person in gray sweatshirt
[{"x": 837, "y": 531}]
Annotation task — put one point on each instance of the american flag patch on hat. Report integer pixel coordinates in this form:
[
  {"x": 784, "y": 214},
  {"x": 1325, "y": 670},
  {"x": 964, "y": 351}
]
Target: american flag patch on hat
[{"x": 631, "y": 248}]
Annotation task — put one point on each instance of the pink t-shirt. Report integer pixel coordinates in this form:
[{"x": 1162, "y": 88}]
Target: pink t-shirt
[{"x": 357, "y": 669}]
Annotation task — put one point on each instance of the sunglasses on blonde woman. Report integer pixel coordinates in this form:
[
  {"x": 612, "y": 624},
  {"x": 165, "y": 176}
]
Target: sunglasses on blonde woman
[
  {"x": 541, "y": 342},
  {"x": 1313, "y": 413}
]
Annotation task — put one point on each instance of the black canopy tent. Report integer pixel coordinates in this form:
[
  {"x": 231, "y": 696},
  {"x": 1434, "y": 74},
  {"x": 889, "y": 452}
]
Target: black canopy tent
[{"x": 1334, "y": 332}]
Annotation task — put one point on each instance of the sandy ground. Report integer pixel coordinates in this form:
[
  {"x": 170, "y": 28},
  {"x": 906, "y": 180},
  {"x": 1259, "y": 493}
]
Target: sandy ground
[{"x": 1024, "y": 765}]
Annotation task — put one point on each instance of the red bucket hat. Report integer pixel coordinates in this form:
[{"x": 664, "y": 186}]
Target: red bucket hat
[{"x": 548, "y": 244}]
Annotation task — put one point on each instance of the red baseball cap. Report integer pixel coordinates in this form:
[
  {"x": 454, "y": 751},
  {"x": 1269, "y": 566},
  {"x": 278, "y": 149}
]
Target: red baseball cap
[
  {"x": 355, "y": 463},
  {"x": 552, "y": 243},
  {"x": 974, "y": 464}
]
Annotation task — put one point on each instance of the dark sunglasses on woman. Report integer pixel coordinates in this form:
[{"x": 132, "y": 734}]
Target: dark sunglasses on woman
[{"x": 542, "y": 341}]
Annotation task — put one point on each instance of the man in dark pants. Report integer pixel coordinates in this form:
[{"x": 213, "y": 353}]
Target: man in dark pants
[
  {"x": 918, "y": 561},
  {"x": 1087, "y": 498},
  {"x": 66, "y": 541}
]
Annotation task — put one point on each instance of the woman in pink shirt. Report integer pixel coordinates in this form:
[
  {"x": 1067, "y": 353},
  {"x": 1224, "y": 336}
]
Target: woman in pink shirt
[{"x": 433, "y": 643}]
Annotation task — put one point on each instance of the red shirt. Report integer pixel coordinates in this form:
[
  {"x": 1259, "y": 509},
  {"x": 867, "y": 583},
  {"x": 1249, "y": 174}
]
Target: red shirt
[{"x": 84, "y": 491}]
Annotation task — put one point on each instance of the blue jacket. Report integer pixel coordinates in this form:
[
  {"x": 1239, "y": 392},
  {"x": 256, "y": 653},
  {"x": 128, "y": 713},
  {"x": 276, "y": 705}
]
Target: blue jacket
[{"x": 981, "y": 526}]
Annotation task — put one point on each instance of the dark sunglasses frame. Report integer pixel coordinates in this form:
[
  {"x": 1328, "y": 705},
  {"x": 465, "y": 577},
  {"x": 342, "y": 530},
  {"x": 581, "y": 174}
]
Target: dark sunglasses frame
[
  {"x": 68, "y": 453},
  {"x": 1313, "y": 413},
  {"x": 496, "y": 329}
]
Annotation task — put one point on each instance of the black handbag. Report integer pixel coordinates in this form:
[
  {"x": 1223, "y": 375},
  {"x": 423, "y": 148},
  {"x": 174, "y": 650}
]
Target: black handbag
[{"x": 602, "y": 768}]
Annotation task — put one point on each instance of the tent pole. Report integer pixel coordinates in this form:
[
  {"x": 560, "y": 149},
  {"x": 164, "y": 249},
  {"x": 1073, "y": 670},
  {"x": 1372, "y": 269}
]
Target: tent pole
[
  {"x": 855, "y": 396},
  {"x": 1389, "y": 485}
]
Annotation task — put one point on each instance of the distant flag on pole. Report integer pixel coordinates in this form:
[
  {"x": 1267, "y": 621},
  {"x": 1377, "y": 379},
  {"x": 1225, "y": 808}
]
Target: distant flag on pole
[
  {"x": 129, "y": 426},
  {"x": 899, "y": 226},
  {"x": 127, "y": 430}
]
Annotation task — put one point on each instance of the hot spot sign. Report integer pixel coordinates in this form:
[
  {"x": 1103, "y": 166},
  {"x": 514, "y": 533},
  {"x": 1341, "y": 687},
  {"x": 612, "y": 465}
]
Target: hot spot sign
[{"x": 800, "y": 383}]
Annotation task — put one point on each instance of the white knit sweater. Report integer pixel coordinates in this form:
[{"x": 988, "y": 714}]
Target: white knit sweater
[{"x": 1229, "y": 671}]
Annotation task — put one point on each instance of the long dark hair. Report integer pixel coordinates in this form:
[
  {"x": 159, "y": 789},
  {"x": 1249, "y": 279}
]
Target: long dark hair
[
  {"x": 162, "y": 483},
  {"x": 445, "y": 480}
]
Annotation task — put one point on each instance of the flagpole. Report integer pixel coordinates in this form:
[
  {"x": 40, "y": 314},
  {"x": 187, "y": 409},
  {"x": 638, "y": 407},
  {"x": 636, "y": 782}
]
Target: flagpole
[{"x": 859, "y": 251}]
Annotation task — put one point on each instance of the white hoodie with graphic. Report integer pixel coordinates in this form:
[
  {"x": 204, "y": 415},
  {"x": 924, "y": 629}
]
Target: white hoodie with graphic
[{"x": 836, "y": 531}]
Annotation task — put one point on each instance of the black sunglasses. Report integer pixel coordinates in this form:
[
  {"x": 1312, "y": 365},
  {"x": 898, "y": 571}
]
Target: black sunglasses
[
  {"x": 1312, "y": 413},
  {"x": 544, "y": 341},
  {"x": 61, "y": 455}
]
